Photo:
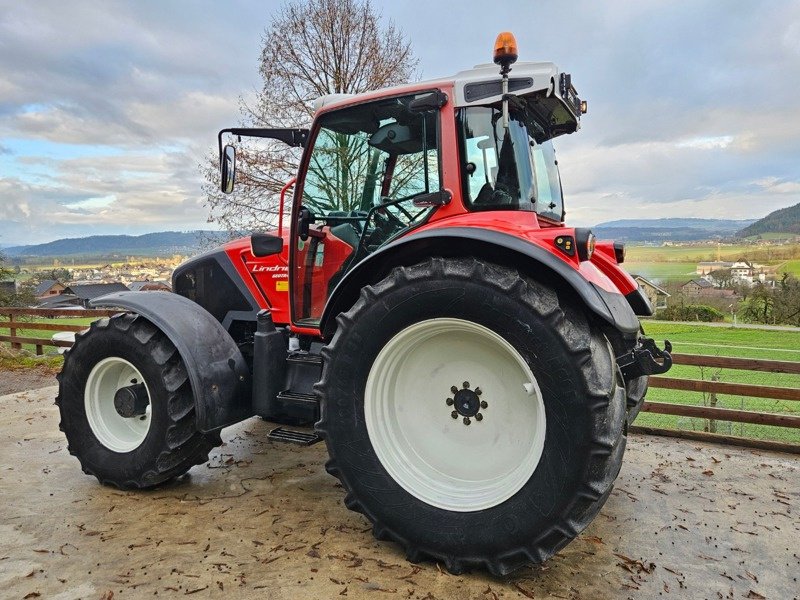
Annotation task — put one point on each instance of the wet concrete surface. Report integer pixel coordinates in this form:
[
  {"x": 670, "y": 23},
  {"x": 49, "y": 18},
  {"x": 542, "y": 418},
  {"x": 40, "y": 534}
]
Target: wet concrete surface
[{"x": 264, "y": 520}]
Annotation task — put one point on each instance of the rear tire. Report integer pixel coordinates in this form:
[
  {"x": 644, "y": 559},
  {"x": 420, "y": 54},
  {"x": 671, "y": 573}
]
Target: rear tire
[
  {"x": 140, "y": 451},
  {"x": 575, "y": 377},
  {"x": 636, "y": 389}
]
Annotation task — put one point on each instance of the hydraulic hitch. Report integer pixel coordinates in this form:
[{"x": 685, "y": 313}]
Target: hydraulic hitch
[{"x": 645, "y": 359}]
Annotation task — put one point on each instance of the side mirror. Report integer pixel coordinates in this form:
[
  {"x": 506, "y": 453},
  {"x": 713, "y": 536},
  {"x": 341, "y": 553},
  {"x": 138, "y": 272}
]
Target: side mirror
[
  {"x": 264, "y": 244},
  {"x": 228, "y": 168}
]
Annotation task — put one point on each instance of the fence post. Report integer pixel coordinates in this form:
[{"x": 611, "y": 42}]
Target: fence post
[
  {"x": 712, "y": 402},
  {"x": 12, "y": 333}
]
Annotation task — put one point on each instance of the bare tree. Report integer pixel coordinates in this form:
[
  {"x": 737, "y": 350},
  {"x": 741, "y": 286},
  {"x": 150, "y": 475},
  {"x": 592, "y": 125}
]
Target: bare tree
[{"x": 310, "y": 48}]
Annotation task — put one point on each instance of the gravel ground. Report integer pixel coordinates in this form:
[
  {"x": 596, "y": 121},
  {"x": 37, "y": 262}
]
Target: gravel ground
[
  {"x": 264, "y": 520},
  {"x": 21, "y": 379}
]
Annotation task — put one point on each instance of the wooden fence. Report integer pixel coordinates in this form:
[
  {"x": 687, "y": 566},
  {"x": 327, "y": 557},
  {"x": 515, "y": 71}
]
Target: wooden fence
[
  {"x": 714, "y": 413},
  {"x": 14, "y": 319}
]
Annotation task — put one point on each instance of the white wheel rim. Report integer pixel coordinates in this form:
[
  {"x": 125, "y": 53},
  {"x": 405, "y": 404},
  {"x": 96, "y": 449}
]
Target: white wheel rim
[
  {"x": 433, "y": 456},
  {"x": 115, "y": 432}
]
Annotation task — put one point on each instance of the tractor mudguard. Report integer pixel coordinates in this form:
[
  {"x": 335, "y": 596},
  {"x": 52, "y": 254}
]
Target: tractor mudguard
[
  {"x": 217, "y": 371},
  {"x": 491, "y": 245}
]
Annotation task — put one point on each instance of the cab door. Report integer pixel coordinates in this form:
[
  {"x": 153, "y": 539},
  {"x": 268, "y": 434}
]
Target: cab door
[{"x": 365, "y": 166}]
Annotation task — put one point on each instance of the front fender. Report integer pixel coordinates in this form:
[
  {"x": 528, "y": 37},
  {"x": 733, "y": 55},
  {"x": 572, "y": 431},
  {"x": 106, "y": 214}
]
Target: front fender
[
  {"x": 490, "y": 245},
  {"x": 217, "y": 371}
]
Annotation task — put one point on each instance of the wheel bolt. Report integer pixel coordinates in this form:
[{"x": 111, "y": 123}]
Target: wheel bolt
[
  {"x": 478, "y": 391},
  {"x": 484, "y": 404},
  {"x": 465, "y": 384},
  {"x": 454, "y": 414},
  {"x": 453, "y": 389},
  {"x": 479, "y": 417},
  {"x": 467, "y": 421},
  {"x": 449, "y": 402}
]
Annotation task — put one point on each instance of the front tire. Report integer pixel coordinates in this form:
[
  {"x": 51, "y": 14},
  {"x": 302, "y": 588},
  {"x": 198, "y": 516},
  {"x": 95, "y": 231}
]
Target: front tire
[
  {"x": 500, "y": 491},
  {"x": 152, "y": 438}
]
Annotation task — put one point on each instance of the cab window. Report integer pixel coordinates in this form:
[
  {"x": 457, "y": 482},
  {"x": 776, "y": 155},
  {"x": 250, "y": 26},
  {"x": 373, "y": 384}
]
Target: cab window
[{"x": 366, "y": 166}]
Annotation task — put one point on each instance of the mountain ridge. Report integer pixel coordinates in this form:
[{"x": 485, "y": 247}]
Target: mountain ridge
[
  {"x": 783, "y": 220},
  {"x": 676, "y": 229},
  {"x": 160, "y": 243}
]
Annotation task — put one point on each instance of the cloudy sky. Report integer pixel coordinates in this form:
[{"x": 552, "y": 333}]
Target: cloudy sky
[{"x": 107, "y": 108}]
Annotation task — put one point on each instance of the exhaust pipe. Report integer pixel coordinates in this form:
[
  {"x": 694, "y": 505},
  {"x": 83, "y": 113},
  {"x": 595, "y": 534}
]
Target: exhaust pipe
[{"x": 269, "y": 365}]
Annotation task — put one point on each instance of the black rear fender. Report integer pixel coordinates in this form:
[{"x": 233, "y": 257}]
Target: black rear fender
[
  {"x": 612, "y": 310},
  {"x": 217, "y": 371}
]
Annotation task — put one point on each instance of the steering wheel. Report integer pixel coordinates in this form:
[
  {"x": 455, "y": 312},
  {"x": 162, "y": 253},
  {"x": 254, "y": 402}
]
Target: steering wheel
[
  {"x": 385, "y": 200},
  {"x": 359, "y": 225}
]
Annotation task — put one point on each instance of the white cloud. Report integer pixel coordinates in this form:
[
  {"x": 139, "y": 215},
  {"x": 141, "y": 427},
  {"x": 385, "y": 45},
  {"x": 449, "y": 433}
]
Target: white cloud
[{"x": 707, "y": 142}]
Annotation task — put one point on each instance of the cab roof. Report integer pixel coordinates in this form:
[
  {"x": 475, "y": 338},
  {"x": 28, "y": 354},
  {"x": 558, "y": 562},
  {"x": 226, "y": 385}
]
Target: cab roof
[{"x": 478, "y": 85}]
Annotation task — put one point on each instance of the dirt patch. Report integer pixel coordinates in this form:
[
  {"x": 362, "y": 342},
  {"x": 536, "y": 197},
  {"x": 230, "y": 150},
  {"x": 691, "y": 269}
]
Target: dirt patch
[{"x": 19, "y": 379}]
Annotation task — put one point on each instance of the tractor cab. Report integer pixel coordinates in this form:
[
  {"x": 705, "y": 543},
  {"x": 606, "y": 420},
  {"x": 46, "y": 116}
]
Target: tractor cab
[{"x": 378, "y": 166}]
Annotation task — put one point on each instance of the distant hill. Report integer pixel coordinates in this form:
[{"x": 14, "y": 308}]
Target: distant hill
[
  {"x": 784, "y": 220},
  {"x": 163, "y": 243},
  {"x": 674, "y": 229}
]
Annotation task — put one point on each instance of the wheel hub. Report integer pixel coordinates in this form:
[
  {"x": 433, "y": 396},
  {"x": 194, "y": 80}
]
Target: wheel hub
[
  {"x": 131, "y": 401},
  {"x": 467, "y": 403}
]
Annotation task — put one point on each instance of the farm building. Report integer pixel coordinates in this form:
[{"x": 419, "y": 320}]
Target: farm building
[
  {"x": 47, "y": 288},
  {"x": 706, "y": 267},
  {"x": 657, "y": 295},
  {"x": 85, "y": 293}
]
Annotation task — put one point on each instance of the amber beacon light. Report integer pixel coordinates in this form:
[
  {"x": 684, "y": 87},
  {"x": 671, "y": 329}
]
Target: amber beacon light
[{"x": 505, "y": 49}]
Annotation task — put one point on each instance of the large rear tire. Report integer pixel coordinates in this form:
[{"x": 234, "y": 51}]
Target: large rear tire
[
  {"x": 636, "y": 389},
  {"x": 149, "y": 435},
  {"x": 400, "y": 404}
]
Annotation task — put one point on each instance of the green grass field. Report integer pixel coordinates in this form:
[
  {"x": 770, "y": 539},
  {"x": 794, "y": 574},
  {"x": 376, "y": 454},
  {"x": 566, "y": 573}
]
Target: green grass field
[
  {"x": 696, "y": 253},
  {"x": 662, "y": 271},
  {"x": 727, "y": 341},
  {"x": 791, "y": 266}
]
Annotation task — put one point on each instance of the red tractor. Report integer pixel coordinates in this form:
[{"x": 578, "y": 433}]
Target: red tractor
[{"x": 471, "y": 362}]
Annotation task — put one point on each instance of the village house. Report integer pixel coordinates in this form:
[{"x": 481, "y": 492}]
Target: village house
[
  {"x": 655, "y": 294},
  {"x": 703, "y": 288},
  {"x": 85, "y": 293},
  {"x": 741, "y": 269},
  {"x": 47, "y": 288}
]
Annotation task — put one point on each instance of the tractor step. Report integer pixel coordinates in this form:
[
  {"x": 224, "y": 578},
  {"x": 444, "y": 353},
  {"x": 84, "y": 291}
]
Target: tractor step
[
  {"x": 304, "y": 408},
  {"x": 292, "y": 436},
  {"x": 305, "y": 358}
]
